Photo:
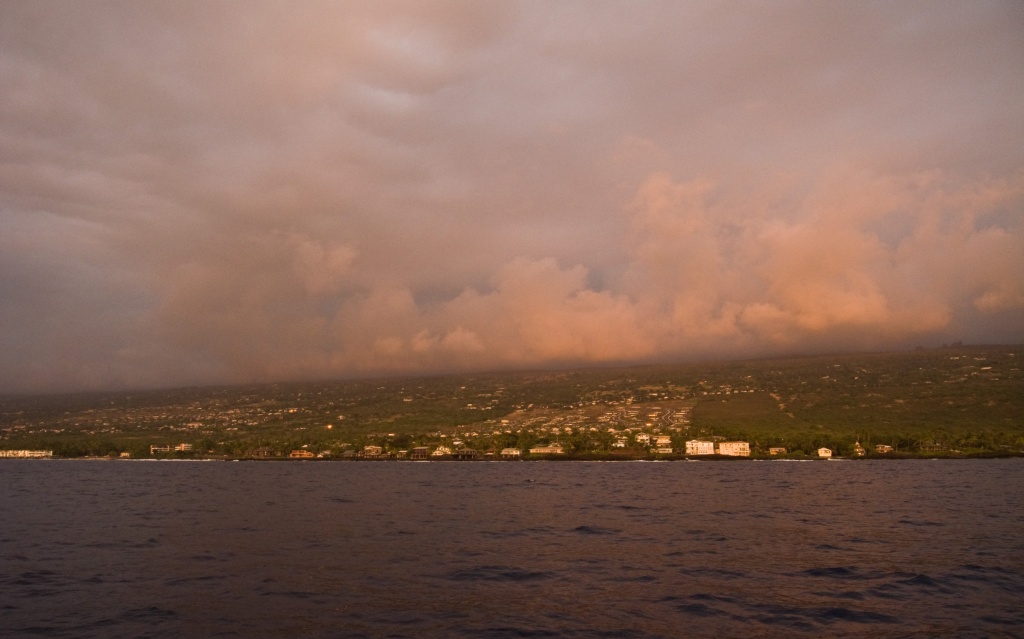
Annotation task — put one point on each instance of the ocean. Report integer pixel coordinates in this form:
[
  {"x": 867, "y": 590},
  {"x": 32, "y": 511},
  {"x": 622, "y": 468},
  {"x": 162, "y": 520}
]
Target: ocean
[{"x": 909, "y": 548}]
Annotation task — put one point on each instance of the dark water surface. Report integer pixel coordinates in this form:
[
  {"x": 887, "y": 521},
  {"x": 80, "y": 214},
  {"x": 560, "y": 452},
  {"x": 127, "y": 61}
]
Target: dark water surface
[{"x": 519, "y": 549}]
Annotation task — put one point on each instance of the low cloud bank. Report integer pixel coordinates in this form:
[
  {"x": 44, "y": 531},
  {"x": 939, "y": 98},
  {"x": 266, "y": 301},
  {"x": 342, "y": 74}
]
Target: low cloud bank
[{"x": 212, "y": 193}]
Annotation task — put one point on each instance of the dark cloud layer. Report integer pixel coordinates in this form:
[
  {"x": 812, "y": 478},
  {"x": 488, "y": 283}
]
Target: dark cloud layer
[{"x": 200, "y": 192}]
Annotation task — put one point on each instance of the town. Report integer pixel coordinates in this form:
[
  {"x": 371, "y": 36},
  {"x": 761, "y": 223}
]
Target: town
[{"x": 952, "y": 401}]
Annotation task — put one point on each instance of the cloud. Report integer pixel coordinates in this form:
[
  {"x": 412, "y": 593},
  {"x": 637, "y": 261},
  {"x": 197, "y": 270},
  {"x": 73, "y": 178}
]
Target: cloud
[
  {"x": 540, "y": 312},
  {"x": 212, "y": 192},
  {"x": 322, "y": 270},
  {"x": 738, "y": 267}
]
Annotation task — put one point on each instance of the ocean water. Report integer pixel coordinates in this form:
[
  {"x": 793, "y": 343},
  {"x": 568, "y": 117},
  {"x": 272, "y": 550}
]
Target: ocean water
[{"x": 519, "y": 549}]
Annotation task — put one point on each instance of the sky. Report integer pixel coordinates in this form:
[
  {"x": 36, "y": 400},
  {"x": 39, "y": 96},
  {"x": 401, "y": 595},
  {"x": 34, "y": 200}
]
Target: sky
[{"x": 218, "y": 192}]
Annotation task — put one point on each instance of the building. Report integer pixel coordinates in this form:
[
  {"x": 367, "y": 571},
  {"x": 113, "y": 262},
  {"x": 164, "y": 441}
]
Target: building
[
  {"x": 883, "y": 448},
  {"x": 420, "y": 452},
  {"x": 441, "y": 451},
  {"x": 700, "y": 447},
  {"x": 858, "y": 450},
  {"x": 662, "y": 440},
  {"x": 465, "y": 454},
  {"x": 301, "y": 453},
  {"x": 663, "y": 450},
  {"x": 824, "y": 453},
  {"x": 24, "y": 454},
  {"x": 550, "y": 449},
  {"x": 734, "y": 449},
  {"x": 511, "y": 453},
  {"x": 372, "y": 451},
  {"x": 643, "y": 438},
  {"x": 159, "y": 449},
  {"x": 777, "y": 451},
  {"x": 183, "y": 447}
]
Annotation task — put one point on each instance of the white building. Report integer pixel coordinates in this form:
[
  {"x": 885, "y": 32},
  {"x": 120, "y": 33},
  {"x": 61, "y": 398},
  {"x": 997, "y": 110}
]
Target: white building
[
  {"x": 551, "y": 449},
  {"x": 734, "y": 449},
  {"x": 26, "y": 453},
  {"x": 700, "y": 447},
  {"x": 824, "y": 453}
]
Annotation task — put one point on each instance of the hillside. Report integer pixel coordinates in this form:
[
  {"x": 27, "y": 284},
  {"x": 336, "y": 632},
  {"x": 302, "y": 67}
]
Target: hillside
[{"x": 955, "y": 400}]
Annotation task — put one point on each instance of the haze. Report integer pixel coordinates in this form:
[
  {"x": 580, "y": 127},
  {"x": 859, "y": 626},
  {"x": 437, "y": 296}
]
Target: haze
[{"x": 222, "y": 192}]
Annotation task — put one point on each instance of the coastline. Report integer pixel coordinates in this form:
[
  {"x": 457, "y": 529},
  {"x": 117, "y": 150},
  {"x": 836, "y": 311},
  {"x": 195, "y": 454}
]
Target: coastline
[{"x": 559, "y": 459}]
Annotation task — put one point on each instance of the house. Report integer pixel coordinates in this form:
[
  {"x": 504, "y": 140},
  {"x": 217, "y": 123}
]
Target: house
[
  {"x": 420, "y": 452},
  {"x": 183, "y": 447},
  {"x": 465, "y": 454},
  {"x": 734, "y": 449},
  {"x": 643, "y": 438},
  {"x": 858, "y": 450},
  {"x": 662, "y": 440},
  {"x": 663, "y": 450},
  {"x": 159, "y": 449},
  {"x": 511, "y": 453},
  {"x": 700, "y": 447},
  {"x": 301, "y": 453},
  {"x": 372, "y": 451},
  {"x": 883, "y": 448},
  {"x": 620, "y": 442},
  {"x": 777, "y": 451},
  {"x": 441, "y": 451},
  {"x": 550, "y": 449},
  {"x": 824, "y": 453}
]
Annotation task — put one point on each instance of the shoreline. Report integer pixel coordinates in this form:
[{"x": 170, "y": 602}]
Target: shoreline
[{"x": 700, "y": 459}]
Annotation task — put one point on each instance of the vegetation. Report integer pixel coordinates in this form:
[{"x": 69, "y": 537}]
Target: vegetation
[{"x": 960, "y": 400}]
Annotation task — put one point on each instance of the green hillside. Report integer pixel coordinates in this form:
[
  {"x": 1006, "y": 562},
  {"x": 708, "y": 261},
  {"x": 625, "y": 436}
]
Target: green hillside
[{"x": 961, "y": 400}]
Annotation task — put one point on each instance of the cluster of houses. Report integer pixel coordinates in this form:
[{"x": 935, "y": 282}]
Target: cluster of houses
[
  {"x": 458, "y": 452},
  {"x": 661, "y": 445},
  {"x": 858, "y": 450}
]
